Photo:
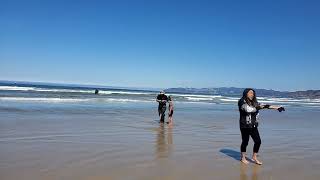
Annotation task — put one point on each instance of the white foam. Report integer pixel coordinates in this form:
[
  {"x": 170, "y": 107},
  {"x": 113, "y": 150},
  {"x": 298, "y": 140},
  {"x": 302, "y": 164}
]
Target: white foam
[
  {"x": 229, "y": 100},
  {"x": 196, "y": 95},
  {"x": 19, "y": 88},
  {"x": 124, "y": 92},
  {"x": 16, "y": 88},
  {"x": 41, "y": 99},
  {"x": 191, "y": 102},
  {"x": 64, "y": 90},
  {"x": 198, "y": 99},
  {"x": 123, "y": 100},
  {"x": 53, "y": 100}
]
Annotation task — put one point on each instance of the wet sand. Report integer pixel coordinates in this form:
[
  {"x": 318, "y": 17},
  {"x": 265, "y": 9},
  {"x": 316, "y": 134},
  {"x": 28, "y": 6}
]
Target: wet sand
[{"x": 125, "y": 141}]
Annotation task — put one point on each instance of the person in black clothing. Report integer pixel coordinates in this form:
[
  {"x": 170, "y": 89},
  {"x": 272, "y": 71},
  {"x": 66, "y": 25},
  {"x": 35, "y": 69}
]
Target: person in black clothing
[
  {"x": 249, "y": 112},
  {"x": 162, "y": 100}
]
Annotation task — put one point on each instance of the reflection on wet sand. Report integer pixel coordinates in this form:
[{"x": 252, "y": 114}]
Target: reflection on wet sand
[
  {"x": 164, "y": 142},
  {"x": 244, "y": 171}
]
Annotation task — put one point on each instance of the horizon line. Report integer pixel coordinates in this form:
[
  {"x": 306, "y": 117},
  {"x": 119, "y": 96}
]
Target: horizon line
[{"x": 134, "y": 88}]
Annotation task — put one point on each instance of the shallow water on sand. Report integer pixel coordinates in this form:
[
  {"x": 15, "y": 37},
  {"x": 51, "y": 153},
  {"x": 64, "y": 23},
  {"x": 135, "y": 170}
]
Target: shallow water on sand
[{"x": 125, "y": 141}]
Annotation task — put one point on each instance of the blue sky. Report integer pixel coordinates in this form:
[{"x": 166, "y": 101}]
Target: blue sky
[{"x": 261, "y": 44}]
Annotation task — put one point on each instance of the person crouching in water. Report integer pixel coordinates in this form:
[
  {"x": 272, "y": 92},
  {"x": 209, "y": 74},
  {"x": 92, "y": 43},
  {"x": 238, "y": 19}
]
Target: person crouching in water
[
  {"x": 249, "y": 112},
  {"x": 162, "y": 100},
  {"x": 170, "y": 113}
]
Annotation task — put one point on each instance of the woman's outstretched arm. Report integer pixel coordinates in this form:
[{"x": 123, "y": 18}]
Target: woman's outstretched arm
[{"x": 275, "y": 107}]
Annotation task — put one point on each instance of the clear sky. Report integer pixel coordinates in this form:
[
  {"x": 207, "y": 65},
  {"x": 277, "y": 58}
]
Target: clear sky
[{"x": 162, "y": 43}]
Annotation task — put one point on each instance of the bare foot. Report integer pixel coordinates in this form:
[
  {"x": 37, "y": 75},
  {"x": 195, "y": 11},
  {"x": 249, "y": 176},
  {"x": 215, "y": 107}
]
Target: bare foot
[
  {"x": 170, "y": 123},
  {"x": 256, "y": 161},
  {"x": 243, "y": 160}
]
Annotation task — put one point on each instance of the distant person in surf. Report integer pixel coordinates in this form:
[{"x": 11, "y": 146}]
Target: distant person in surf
[
  {"x": 162, "y": 99},
  {"x": 249, "y": 112},
  {"x": 170, "y": 113},
  {"x": 96, "y": 91}
]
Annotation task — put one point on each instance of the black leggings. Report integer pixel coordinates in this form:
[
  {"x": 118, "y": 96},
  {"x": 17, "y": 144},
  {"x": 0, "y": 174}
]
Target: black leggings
[
  {"x": 162, "y": 111},
  {"x": 245, "y": 134}
]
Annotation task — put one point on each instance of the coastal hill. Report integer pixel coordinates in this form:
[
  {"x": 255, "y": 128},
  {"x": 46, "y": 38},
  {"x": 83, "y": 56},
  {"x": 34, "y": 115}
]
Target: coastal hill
[{"x": 233, "y": 91}]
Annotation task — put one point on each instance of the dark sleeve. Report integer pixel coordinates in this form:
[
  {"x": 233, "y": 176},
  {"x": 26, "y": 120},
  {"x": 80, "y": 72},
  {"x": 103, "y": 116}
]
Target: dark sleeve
[
  {"x": 267, "y": 106},
  {"x": 240, "y": 103},
  {"x": 259, "y": 107},
  {"x": 158, "y": 97}
]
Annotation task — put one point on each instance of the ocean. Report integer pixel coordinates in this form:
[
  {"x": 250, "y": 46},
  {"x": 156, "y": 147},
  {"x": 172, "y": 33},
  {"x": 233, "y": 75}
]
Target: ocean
[{"x": 85, "y": 95}]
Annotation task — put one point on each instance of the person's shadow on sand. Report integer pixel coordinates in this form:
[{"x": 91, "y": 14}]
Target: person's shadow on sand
[
  {"x": 234, "y": 154},
  {"x": 231, "y": 153}
]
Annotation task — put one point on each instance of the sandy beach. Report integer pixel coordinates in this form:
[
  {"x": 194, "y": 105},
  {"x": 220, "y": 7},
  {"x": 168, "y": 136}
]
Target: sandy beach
[{"x": 125, "y": 141}]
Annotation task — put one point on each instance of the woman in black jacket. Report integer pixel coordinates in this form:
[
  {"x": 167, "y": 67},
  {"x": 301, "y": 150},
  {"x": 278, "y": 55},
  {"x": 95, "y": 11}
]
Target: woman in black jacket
[{"x": 249, "y": 112}]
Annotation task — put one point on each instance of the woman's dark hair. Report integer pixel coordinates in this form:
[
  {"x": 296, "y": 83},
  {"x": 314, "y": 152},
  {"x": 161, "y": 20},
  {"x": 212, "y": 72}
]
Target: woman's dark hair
[
  {"x": 169, "y": 98},
  {"x": 252, "y": 102}
]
